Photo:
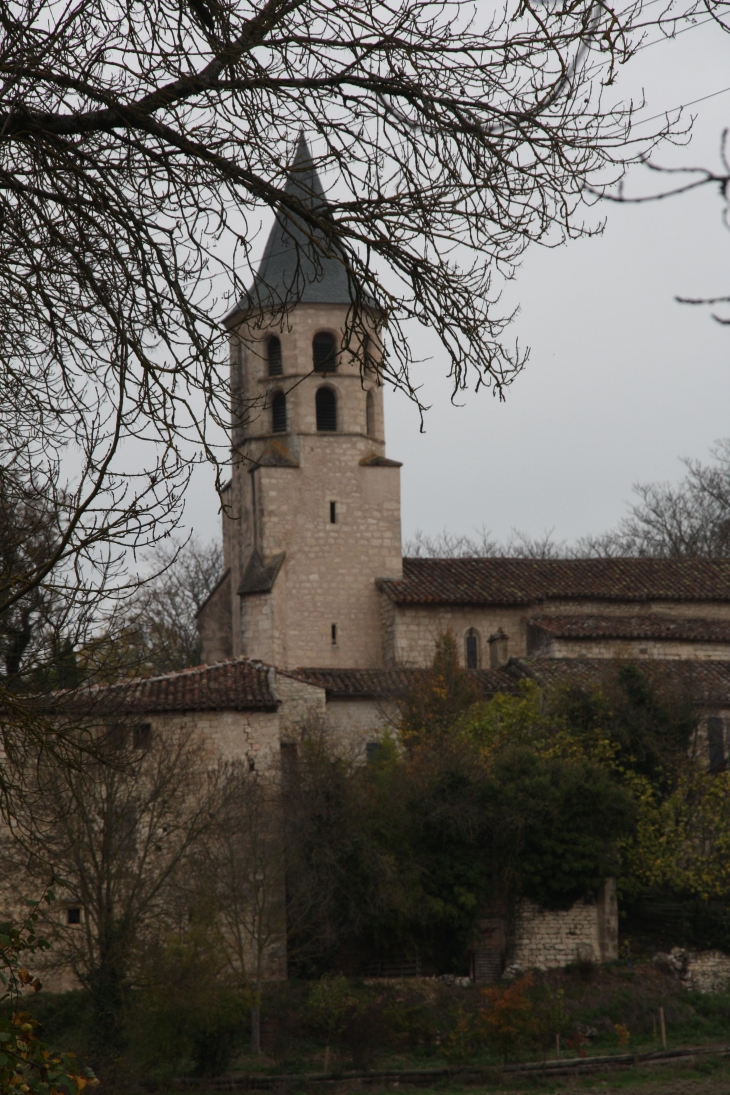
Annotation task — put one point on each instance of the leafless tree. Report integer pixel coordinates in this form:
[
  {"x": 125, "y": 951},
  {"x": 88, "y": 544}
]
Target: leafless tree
[
  {"x": 113, "y": 829},
  {"x": 143, "y": 143},
  {"x": 448, "y": 545},
  {"x": 691, "y": 518},
  {"x": 241, "y": 873},
  {"x": 156, "y": 630}
]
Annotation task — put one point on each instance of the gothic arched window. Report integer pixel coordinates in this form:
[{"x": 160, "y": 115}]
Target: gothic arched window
[
  {"x": 326, "y": 403},
  {"x": 324, "y": 352},
  {"x": 471, "y": 649},
  {"x": 370, "y": 414},
  {"x": 273, "y": 355},
  {"x": 278, "y": 413}
]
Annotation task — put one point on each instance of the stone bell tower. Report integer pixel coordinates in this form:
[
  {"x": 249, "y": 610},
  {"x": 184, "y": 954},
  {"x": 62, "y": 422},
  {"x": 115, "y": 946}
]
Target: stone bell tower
[{"x": 313, "y": 508}]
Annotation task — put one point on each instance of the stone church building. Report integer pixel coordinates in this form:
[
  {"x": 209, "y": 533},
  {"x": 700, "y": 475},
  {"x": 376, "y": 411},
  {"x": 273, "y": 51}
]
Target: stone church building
[
  {"x": 311, "y": 527},
  {"x": 318, "y": 615}
]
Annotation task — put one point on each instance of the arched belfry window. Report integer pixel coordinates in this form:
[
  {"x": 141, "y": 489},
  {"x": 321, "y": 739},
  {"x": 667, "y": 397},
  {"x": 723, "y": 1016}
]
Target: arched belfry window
[
  {"x": 324, "y": 352},
  {"x": 273, "y": 355},
  {"x": 471, "y": 649},
  {"x": 370, "y": 414},
  {"x": 326, "y": 404},
  {"x": 278, "y": 413}
]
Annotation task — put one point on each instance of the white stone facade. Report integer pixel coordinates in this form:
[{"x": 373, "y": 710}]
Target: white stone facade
[
  {"x": 328, "y": 502},
  {"x": 549, "y": 939}
]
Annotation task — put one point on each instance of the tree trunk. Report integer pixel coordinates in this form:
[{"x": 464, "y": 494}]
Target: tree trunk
[
  {"x": 108, "y": 997},
  {"x": 256, "y": 1028}
]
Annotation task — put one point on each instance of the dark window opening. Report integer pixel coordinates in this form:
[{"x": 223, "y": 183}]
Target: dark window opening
[
  {"x": 716, "y": 744},
  {"x": 142, "y": 736},
  {"x": 334, "y": 634},
  {"x": 324, "y": 352},
  {"x": 289, "y": 756},
  {"x": 333, "y": 513},
  {"x": 326, "y": 404},
  {"x": 251, "y": 764},
  {"x": 472, "y": 649},
  {"x": 273, "y": 356},
  {"x": 73, "y": 916},
  {"x": 373, "y": 750},
  {"x": 370, "y": 414},
  {"x": 278, "y": 413}
]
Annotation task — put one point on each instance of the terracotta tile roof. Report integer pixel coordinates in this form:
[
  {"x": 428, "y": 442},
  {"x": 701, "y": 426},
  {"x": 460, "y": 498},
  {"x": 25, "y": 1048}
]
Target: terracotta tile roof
[
  {"x": 242, "y": 685},
  {"x": 707, "y": 681},
  {"x": 236, "y": 685},
  {"x": 530, "y": 581},
  {"x": 649, "y": 626},
  {"x": 383, "y": 683}
]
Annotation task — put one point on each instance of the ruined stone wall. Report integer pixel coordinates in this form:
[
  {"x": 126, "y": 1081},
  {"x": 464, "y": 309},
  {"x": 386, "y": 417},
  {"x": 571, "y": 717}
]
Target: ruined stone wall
[
  {"x": 552, "y": 938},
  {"x": 699, "y": 971}
]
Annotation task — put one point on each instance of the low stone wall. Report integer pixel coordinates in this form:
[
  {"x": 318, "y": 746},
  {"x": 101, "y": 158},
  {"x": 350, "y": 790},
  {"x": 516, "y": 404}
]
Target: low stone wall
[
  {"x": 551, "y": 938},
  {"x": 699, "y": 971}
]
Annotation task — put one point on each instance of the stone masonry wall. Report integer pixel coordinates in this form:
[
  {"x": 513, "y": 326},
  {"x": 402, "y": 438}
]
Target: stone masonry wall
[
  {"x": 552, "y": 938},
  {"x": 357, "y": 722},
  {"x": 214, "y": 624},
  {"x": 615, "y": 648},
  {"x": 330, "y": 570},
  {"x": 417, "y": 627},
  {"x": 411, "y": 637}
]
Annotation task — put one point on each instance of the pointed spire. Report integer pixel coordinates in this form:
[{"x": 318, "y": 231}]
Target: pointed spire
[{"x": 292, "y": 268}]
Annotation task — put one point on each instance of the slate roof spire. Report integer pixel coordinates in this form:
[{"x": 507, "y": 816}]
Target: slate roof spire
[{"x": 292, "y": 267}]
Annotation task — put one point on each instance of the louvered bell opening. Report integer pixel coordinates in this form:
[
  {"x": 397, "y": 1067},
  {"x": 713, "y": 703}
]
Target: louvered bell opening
[
  {"x": 278, "y": 413},
  {"x": 326, "y": 410},
  {"x": 324, "y": 352},
  {"x": 273, "y": 355}
]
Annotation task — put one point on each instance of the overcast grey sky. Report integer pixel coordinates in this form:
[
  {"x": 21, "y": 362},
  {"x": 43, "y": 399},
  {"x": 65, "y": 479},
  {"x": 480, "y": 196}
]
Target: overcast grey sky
[{"x": 621, "y": 379}]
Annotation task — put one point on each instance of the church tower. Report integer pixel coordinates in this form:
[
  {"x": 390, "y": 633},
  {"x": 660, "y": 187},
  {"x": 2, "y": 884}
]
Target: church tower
[{"x": 313, "y": 509}]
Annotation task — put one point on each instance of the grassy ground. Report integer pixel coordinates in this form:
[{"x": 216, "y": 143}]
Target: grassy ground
[{"x": 418, "y": 1024}]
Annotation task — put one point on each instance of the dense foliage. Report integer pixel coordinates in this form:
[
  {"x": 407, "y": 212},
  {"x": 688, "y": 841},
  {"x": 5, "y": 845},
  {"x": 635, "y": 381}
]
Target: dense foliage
[{"x": 471, "y": 804}]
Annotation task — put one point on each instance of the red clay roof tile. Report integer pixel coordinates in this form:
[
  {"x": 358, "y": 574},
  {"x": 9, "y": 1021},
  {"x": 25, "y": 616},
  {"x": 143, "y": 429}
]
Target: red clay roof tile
[
  {"x": 529, "y": 581},
  {"x": 649, "y": 626}
]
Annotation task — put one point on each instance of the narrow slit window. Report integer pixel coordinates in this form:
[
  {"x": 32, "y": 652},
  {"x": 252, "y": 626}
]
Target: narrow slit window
[
  {"x": 273, "y": 356},
  {"x": 326, "y": 406},
  {"x": 370, "y": 414},
  {"x": 324, "y": 352},
  {"x": 333, "y": 513},
  {"x": 471, "y": 644},
  {"x": 289, "y": 758},
  {"x": 278, "y": 413},
  {"x": 334, "y": 634}
]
